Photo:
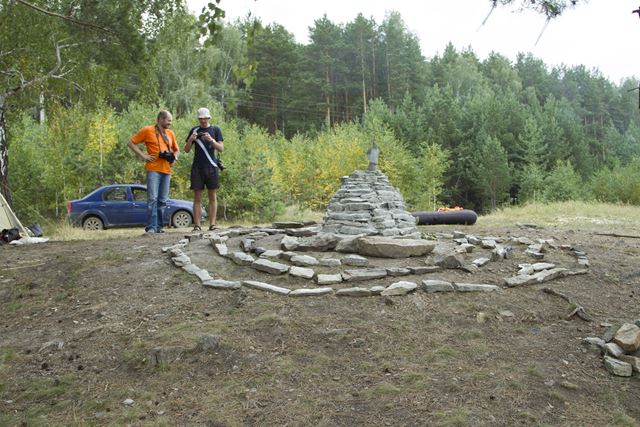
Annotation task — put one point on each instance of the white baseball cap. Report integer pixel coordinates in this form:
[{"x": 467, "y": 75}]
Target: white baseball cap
[{"x": 203, "y": 113}]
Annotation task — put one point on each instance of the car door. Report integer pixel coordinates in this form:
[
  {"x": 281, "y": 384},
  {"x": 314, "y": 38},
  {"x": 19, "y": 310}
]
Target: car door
[
  {"x": 139, "y": 208},
  {"x": 116, "y": 205}
]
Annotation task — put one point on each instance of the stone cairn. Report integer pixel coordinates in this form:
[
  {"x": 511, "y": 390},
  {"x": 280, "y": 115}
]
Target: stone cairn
[{"x": 367, "y": 204}]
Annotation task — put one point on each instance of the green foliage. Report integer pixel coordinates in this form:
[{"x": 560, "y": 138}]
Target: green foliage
[
  {"x": 619, "y": 184},
  {"x": 563, "y": 183}
]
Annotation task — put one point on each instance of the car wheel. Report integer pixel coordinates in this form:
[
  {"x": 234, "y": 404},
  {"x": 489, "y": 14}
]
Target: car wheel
[
  {"x": 92, "y": 223},
  {"x": 181, "y": 219}
]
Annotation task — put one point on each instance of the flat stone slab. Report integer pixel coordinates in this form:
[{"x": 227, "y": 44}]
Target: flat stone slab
[
  {"x": 287, "y": 224},
  {"x": 330, "y": 262},
  {"x": 320, "y": 242},
  {"x": 628, "y": 337},
  {"x": 377, "y": 290},
  {"x": 191, "y": 268},
  {"x": 271, "y": 253},
  {"x": 304, "y": 260},
  {"x": 432, "y": 286},
  {"x": 270, "y": 267},
  {"x": 481, "y": 262},
  {"x": 328, "y": 279},
  {"x": 354, "y": 292},
  {"x": 520, "y": 280},
  {"x": 305, "y": 292},
  {"x": 399, "y": 288},
  {"x": 613, "y": 349},
  {"x": 241, "y": 258},
  {"x": 427, "y": 269},
  {"x": 362, "y": 275},
  {"x": 203, "y": 275},
  {"x": 355, "y": 260},
  {"x": 539, "y": 266},
  {"x": 176, "y": 246},
  {"x": 266, "y": 287},
  {"x": 305, "y": 273},
  {"x": 398, "y": 271},
  {"x": 472, "y": 287},
  {"x": 221, "y": 249},
  {"x": 386, "y": 247},
  {"x": 617, "y": 367},
  {"x": 594, "y": 342},
  {"x": 221, "y": 284}
]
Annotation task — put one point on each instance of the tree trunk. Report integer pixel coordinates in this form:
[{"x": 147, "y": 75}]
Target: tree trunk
[{"x": 4, "y": 156}]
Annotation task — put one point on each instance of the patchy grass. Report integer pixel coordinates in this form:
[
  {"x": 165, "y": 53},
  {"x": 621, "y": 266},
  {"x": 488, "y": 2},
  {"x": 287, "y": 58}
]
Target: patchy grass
[{"x": 590, "y": 216}]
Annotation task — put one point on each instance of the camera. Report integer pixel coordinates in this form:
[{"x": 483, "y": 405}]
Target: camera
[{"x": 168, "y": 156}]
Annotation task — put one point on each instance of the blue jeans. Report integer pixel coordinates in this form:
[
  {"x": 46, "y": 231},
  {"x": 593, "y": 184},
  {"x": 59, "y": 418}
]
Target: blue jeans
[{"x": 157, "y": 196}]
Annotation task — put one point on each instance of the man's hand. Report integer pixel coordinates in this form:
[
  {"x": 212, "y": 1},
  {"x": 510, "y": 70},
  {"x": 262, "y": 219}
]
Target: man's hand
[{"x": 192, "y": 137}]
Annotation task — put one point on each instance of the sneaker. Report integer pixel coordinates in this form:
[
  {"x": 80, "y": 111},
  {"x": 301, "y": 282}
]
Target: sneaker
[
  {"x": 150, "y": 231},
  {"x": 197, "y": 228}
]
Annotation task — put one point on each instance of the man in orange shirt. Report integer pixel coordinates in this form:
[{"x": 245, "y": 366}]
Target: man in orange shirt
[{"x": 161, "y": 151}]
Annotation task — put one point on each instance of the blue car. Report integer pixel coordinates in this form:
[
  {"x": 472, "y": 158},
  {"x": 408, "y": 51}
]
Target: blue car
[{"x": 124, "y": 206}]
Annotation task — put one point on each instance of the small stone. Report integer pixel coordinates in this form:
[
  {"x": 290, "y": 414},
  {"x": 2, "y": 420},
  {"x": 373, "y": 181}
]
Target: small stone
[
  {"x": 610, "y": 332},
  {"x": 270, "y": 267},
  {"x": 287, "y": 255},
  {"x": 241, "y": 258},
  {"x": 305, "y": 292},
  {"x": 548, "y": 275},
  {"x": 128, "y": 402},
  {"x": 265, "y": 287},
  {"x": 506, "y": 313},
  {"x": 465, "y": 248},
  {"x": 628, "y": 337},
  {"x": 248, "y": 245},
  {"x": 203, "y": 275},
  {"x": 613, "y": 349},
  {"x": 221, "y": 284},
  {"x": 259, "y": 250},
  {"x": 473, "y": 240},
  {"x": 431, "y": 286},
  {"x": 191, "y": 268},
  {"x": 289, "y": 243},
  {"x": 481, "y": 262},
  {"x": 501, "y": 252},
  {"x": 488, "y": 244},
  {"x": 470, "y": 268},
  {"x": 520, "y": 280},
  {"x": 583, "y": 262},
  {"x": 634, "y": 361},
  {"x": 617, "y": 367},
  {"x": 449, "y": 261},
  {"x": 569, "y": 386},
  {"x": 534, "y": 254},
  {"x": 305, "y": 273},
  {"x": 459, "y": 235},
  {"x": 176, "y": 246},
  {"x": 181, "y": 261},
  {"x": 396, "y": 272},
  {"x": 399, "y": 288},
  {"x": 525, "y": 269},
  {"x": 208, "y": 343},
  {"x": 594, "y": 343},
  {"x": 348, "y": 245},
  {"x": 355, "y": 260},
  {"x": 472, "y": 287},
  {"x": 328, "y": 279},
  {"x": 354, "y": 292},
  {"x": 481, "y": 317},
  {"x": 364, "y": 274},
  {"x": 320, "y": 242},
  {"x": 330, "y": 262},
  {"x": 304, "y": 260}
]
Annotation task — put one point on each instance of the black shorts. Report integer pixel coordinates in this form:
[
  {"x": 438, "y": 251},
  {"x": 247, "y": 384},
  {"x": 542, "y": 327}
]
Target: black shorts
[{"x": 204, "y": 177}]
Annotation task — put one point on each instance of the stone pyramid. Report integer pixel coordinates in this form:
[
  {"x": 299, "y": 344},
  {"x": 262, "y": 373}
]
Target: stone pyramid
[{"x": 367, "y": 204}]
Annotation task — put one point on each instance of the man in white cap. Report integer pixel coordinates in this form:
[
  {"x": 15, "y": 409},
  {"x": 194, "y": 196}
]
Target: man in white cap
[{"x": 205, "y": 169}]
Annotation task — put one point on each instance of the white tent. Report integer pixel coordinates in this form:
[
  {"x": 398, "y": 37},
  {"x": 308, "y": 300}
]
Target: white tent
[{"x": 8, "y": 219}]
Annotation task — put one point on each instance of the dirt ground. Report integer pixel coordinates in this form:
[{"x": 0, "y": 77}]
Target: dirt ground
[{"x": 80, "y": 321}]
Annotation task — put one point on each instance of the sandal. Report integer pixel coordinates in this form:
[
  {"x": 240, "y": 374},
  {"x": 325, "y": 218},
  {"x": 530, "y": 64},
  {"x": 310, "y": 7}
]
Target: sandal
[
  {"x": 213, "y": 227},
  {"x": 197, "y": 228}
]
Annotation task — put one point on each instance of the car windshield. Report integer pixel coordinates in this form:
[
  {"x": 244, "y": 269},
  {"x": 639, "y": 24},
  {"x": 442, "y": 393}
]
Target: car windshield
[
  {"x": 139, "y": 194},
  {"x": 118, "y": 194}
]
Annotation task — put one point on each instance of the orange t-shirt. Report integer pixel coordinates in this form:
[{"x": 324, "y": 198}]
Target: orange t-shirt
[{"x": 155, "y": 144}]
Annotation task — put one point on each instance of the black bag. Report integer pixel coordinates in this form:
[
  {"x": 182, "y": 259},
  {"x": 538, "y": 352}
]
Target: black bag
[
  {"x": 36, "y": 230},
  {"x": 9, "y": 235}
]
